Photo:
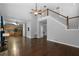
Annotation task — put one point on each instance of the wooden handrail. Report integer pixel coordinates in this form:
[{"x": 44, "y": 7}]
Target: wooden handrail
[
  {"x": 54, "y": 12},
  {"x": 74, "y": 17},
  {"x": 60, "y": 14},
  {"x": 57, "y": 13}
]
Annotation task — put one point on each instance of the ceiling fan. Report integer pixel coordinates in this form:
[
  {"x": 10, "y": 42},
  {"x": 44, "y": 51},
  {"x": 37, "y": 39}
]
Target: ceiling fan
[{"x": 37, "y": 11}]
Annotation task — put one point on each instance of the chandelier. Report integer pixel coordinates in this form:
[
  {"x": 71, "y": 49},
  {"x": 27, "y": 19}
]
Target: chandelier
[{"x": 37, "y": 11}]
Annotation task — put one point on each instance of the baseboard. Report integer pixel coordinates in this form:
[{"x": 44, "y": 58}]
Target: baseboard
[{"x": 64, "y": 43}]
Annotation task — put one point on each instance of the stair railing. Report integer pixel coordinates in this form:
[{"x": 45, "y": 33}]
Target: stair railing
[
  {"x": 74, "y": 17},
  {"x": 66, "y": 17}
]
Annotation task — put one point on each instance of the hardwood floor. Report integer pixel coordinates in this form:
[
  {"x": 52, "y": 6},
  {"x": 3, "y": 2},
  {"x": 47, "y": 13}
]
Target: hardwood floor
[{"x": 18, "y": 46}]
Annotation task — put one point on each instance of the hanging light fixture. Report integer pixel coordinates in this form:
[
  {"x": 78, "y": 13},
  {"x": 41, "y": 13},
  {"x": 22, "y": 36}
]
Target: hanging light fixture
[{"x": 36, "y": 11}]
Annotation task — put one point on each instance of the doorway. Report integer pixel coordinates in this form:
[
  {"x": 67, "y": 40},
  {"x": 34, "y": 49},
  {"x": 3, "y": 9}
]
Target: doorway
[{"x": 43, "y": 28}]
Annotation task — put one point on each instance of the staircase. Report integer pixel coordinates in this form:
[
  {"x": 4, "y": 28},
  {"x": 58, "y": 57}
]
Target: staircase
[
  {"x": 70, "y": 22},
  {"x": 62, "y": 29}
]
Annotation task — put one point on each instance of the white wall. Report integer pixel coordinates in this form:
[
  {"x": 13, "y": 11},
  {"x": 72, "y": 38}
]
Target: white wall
[
  {"x": 57, "y": 32},
  {"x": 33, "y": 26}
]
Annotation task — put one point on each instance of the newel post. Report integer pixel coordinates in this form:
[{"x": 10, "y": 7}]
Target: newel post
[
  {"x": 67, "y": 22},
  {"x": 47, "y": 12}
]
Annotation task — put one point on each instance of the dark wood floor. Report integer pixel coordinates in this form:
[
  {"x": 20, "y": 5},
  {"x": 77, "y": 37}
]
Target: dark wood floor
[{"x": 19, "y": 46}]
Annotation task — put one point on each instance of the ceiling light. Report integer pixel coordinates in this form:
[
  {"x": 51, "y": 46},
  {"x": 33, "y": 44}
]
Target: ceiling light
[{"x": 37, "y": 11}]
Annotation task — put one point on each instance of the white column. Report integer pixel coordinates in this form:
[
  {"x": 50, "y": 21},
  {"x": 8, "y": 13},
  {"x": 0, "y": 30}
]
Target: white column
[{"x": 24, "y": 30}]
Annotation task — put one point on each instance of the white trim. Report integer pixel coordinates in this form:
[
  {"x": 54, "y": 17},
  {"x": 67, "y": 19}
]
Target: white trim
[{"x": 64, "y": 43}]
